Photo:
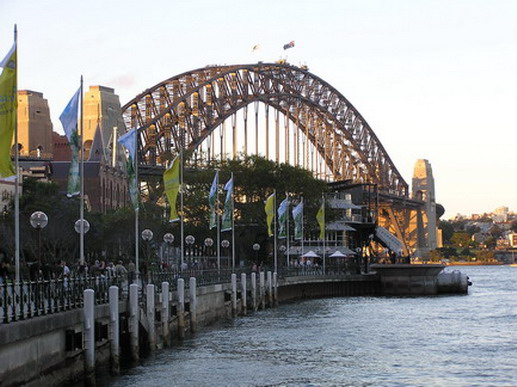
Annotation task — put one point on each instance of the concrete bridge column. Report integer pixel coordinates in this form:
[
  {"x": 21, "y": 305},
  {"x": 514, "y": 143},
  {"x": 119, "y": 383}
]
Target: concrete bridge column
[
  {"x": 133, "y": 322},
  {"x": 269, "y": 288},
  {"x": 114, "y": 330},
  {"x": 234, "y": 294},
  {"x": 244, "y": 295},
  {"x": 254, "y": 291},
  {"x": 193, "y": 304},
  {"x": 181, "y": 308},
  {"x": 165, "y": 313},
  {"x": 89, "y": 336},
  {"x": 151, "y": 326},
  {"x": 262, "y": 286}
]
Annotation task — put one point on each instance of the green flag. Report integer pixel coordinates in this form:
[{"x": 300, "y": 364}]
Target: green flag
[
  {"x": 212, "y": 201},
  {"x": 320, "y": 217},
  {"x": 171, "y": 180},
  {"x": 8, "y": 111},
  {"x": 270, "y": 213}
]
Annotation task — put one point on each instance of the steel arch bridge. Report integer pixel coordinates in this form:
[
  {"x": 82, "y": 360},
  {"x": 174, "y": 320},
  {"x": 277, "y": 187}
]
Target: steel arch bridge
[{"x": 321, "y": 129}]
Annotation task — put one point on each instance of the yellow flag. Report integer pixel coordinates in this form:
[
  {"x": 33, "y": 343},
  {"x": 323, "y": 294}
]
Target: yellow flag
[
  {"x": 320, "y": 217},
  {"x": 8, "y": 106},
  {"x": 270, "y": 212},
  {"x": 171, "y": 180}
]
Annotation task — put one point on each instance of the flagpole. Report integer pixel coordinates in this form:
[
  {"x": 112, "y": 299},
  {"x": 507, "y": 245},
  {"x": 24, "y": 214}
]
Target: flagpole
[
  {"x": 302, "y": 228},
  {"x": 287, "y": 229},
  {"x": 182, "y": 218},
  {"x": 324, "y": 233},
  {"x": 233, "y": 226},
  {"x": 81, "y": 204},
  {"x": 137, "y": 211},
  {"x": 218, "y": 223},
  {"x": 16, "y": 168},
  {"x": 275, "y": 257}
]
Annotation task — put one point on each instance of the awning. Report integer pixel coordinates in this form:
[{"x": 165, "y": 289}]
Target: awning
[
  {"x": 310, "y": 254},
  {"x": 389, "y": 240}
]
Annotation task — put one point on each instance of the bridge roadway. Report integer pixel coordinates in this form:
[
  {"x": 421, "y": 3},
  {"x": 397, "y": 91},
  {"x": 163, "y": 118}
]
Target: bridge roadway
[{"x": 45, "y": 325}]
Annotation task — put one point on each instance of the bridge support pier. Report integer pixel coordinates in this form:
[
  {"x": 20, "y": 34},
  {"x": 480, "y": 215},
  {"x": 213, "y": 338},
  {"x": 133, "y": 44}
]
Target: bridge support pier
[
  {"x": 234, "y": 294},
  {"x": 254, "y": 291},
  {"x": 244, "y": 295},
  {"x": 193, "y": 304},
  {"x": 114, "y": 330},
  {"x": 151, "y": 326},
  {"x": 181, "y": 308},
  {"x": 133, "y": 322},
  {"x": 89, "y": 336},
  {"x": 165, "y": 313}
]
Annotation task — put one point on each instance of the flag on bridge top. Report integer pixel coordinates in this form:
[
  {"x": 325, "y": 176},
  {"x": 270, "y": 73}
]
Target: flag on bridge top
[
  {"x": 128, "y": 141},
  {"x": 70, "y": 125},
  {"x": 227, "y": 219},
  {"x": 289, "y": 45},
  {"x": 171, "y": 181},
  {"x": 212, "y": 201},
  {"x": 283, "y": 216},
  {"x": 270, "y": 212},
  {"x": 8, "y": 111},
  {"x": 256, "y": 47}
]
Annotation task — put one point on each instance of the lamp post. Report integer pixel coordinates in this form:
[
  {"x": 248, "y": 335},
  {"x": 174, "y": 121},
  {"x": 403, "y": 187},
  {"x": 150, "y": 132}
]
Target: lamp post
[
  {"x": 358, "y": 260},
  {"x": 86, "y": 228},
  {"x": 39, "y": 221},
  {"x": 256, "y": 248},
  {"x": 225, "y": 243},
  {"x": 168, "y": 238},
  {"x": 190, "y": 240},
  {"x": 209, "y": 242},
  {"x": 147, "y": 235}
]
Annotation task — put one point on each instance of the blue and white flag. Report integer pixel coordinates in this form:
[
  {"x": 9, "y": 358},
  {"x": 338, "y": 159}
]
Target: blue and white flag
[
  {"x": 128, "y": 141},
  {"x": 212, "y": 201},
  {"x": 70, "y": 125},
  {"x": 283, "y": 218},
  {"x": 226, "y": 221},
  {"x": 298, "y": 221}
]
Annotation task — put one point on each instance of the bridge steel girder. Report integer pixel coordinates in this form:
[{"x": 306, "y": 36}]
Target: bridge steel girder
[{"x": 184, "y": 110}]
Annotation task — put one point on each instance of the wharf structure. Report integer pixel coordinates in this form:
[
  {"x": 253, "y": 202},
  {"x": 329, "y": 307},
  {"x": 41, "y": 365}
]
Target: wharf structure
[{"x": 66, "y": 331}]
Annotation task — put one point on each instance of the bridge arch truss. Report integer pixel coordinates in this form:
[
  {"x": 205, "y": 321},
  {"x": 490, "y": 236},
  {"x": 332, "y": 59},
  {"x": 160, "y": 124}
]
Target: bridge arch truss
[{"x": 321, "y": 129}]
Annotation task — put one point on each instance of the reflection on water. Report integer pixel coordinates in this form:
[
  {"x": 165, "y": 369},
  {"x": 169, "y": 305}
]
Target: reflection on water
[{"x": 447, "y": 341}]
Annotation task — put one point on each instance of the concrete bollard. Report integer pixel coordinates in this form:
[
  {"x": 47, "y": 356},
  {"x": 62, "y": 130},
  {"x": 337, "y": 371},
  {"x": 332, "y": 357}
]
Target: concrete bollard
[
  {"x": 114, "y": 330},
  {"x": 165, "y": 313},
  {"x": 89, "y": 336},
  {"x": 151, "y": 325},
  {"x": 193, "y": 304},
  {"x": 133, "y": 322},
  {"x": 275, "y": 288},
  {"x": 181, "y": 308},
  {"x": 269, "y": 289},
  {"x": 254, "y": 291},
  {"x": 244, "y": 294},
  {"x": 262, "y": 287},
  {"x": 234, "y": 294}
]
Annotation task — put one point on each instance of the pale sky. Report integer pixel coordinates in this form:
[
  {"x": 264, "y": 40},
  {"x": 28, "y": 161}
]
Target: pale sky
[{"x": 435, "y": 79}]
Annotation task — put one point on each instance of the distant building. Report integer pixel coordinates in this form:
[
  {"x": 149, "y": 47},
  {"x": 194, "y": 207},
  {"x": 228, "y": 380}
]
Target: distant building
[{"x": 46, "y": 155}]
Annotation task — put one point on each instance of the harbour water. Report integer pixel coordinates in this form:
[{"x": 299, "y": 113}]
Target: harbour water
[{"x": 361, "y": 341}]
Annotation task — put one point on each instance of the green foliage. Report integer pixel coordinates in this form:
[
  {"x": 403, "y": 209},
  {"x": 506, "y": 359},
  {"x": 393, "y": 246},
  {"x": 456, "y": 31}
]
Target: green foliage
[
  {"x": 447, "y": 231},
  {"x": 461, "y": 239}
]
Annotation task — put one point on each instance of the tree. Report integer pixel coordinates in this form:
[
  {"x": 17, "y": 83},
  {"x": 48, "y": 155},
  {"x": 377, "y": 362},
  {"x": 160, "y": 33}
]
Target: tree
[{"x": 447, "y": 231}]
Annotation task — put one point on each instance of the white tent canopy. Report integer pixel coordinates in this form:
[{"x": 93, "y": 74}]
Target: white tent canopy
[
  {"x": 310, "y": 254},
  {"x": 337, "y": 254}
]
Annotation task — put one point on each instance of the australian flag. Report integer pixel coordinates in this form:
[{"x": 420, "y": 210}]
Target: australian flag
[{"x": 289, "y": 45}]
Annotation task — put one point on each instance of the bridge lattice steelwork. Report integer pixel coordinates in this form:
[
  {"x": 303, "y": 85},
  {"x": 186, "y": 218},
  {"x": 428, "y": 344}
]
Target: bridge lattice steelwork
[{"x": 321, "y": 129}]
